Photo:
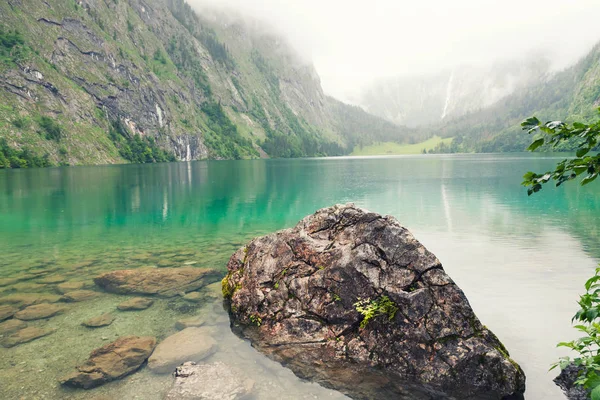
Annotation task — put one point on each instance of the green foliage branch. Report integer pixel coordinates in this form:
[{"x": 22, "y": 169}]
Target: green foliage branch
[{"x": 553, "y": 134}]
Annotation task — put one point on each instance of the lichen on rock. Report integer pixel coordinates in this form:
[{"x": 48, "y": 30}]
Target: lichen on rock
[{"x": 350, "y": 298}]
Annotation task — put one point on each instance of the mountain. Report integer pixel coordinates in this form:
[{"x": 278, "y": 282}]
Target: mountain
[
  {"x": 431, "y": 99},
  {"x": 572, "y": 94},
  {"x": 111, "y": 81}
]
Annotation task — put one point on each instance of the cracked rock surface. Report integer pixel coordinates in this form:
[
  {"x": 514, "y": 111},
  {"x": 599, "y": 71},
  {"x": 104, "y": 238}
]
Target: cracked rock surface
[{"x": 294, "y": 294}]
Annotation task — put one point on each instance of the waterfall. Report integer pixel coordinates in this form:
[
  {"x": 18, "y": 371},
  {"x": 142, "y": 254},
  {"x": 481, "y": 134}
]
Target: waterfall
[{"x": 448, "y": 93}]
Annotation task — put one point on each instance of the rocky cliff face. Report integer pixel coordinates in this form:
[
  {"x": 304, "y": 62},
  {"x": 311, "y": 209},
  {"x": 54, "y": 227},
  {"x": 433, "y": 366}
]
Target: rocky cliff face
[
  {"x": 349, "y": 298},
  {"x": 89, "y": 81}
]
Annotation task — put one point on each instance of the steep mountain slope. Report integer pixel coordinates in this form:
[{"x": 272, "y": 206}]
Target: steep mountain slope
[
  {"x": 430, "y": 99},
  {"x": 572, "y": 94},
  {"x": 105, "y": 81}
]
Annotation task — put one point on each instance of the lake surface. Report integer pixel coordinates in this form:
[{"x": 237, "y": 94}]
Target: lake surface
[{"x": 520, "y": 260}]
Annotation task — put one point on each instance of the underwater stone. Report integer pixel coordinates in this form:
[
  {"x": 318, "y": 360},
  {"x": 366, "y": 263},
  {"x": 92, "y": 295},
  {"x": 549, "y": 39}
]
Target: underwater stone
[
  {"x": 165, "y": 282},
  {"x": 135, "y": 304},
  {"x": 190, "y": 344},
  {"x": 112, "y": 361},
  {"x": 216, "y": 381},
  {"x": 25, "y": 335},
  {"x": 99, "y": 321},
  {"x": 351, "y": 296},
  {"x": 39, "y": 311}
]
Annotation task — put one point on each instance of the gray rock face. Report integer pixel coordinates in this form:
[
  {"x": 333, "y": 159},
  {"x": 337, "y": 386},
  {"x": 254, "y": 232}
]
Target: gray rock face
[
  {"x": 215, "y": 381},
  {"x": 566, "y": 381},
  {"x": 298, "y": 293}
]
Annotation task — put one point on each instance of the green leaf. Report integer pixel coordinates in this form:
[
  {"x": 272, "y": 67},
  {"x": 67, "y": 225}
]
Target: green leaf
[
  {"x": 582, "y": 152},
  {"x": 579, "y": 125},
  {"x": 529, "y": 122},
  {"x": 596, "y": 393},
  {"x": 536, "y": 144},
  {"x": 588, "y": 179}
]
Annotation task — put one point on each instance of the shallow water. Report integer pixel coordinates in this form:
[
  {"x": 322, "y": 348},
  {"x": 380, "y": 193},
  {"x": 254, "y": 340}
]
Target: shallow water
[{"x": 520, "y": 260}]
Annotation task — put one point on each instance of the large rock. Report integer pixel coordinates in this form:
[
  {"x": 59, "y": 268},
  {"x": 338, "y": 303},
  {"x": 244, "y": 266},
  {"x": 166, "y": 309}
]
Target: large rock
[
  {"x": 79, "y": 295},
  {"x": 216, "y": 381},
  {"x": 351, "y": 296},
  {"x": 39, "y": 311},
  {"x": 113, "y": 361},
  {"x": 190, "y": 344},
  {"x": 166, "y": 282}
]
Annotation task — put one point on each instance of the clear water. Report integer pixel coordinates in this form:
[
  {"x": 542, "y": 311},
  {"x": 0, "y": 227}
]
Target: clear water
[{"x": 520, "y": 260}]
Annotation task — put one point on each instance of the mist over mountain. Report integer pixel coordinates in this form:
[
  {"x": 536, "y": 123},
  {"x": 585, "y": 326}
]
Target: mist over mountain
[{"x": 430, "y": 99}]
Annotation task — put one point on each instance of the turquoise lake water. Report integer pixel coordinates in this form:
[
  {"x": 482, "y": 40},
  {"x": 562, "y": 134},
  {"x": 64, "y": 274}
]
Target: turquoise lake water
[{"x": 520, "y": 260}]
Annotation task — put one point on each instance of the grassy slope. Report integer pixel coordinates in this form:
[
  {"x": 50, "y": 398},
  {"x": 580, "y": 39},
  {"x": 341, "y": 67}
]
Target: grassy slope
[{"x": 390, "y": 148}]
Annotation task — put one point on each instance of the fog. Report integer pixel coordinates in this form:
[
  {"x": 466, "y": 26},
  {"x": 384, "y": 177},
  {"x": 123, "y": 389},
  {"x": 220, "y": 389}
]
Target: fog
[{"x": 353, "y": 42}]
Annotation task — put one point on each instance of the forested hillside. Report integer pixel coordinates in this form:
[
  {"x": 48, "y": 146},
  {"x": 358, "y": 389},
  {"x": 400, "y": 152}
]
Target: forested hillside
[{"x": 93, "y": 82}]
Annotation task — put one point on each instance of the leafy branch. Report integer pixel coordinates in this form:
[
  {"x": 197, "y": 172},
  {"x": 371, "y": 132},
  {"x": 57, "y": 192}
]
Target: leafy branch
[{"x": 553, "y": 134}]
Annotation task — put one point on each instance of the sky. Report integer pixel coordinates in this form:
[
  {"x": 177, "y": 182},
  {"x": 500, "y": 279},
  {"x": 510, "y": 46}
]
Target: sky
[{"x": 354, "y": 42}]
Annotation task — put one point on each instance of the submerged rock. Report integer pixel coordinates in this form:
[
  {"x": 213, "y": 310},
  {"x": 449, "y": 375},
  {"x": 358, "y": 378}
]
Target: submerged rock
[
  {"x": 135, "y": 304},
  {"x": 10, "y": 326},
  {"x": 27, "y": 299},
  {"x": 70, "y": 286},
  {"x": 53, "y": 279},
  {"x": 216, "y": 381},
  {"x": 194, "y": 297},
  {"x": 25, "y": 335},
  {"x": 190, "y": 344},
  {"x": 351, "y": 296},
  {"x": 191, "y": 322},
  {"x": 113, "y": 361},
  {"x": 99, "y": 321},
  {"x": 39, "y": 311},
  {"x": 566, "y": 381},
  {"x": 166, "y": 282},
  {"x": 79, "y": 295},
  {"x": 8, "y": 281},
  {"x": 7, "y": 312}
]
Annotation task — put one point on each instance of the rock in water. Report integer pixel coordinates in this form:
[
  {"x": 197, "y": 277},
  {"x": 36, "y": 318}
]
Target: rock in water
[
  {"x": 10, "y": 326},
  {"x": 215, "y": 381},
  {"x": 190, "y": 344},
  {"x": 39, "y": 311},
  {"x": 566, "y": 381},
  {"x": 25, "y": 335},
  {"x": 166, "y": 282},
  {"x": 79, "y": 295},
  {"x": 350, "y": 298},
  {"x": 135, "y": 304},
  {"x": 100, "y": 321},
  {"x": 7, "y": 312},
  {"x": 113, "y": 361}
]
